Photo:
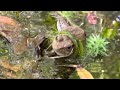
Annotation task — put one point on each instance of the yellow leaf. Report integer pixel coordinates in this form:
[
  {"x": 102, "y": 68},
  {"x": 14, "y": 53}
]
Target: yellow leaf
[{"x": 83, "y": 73}]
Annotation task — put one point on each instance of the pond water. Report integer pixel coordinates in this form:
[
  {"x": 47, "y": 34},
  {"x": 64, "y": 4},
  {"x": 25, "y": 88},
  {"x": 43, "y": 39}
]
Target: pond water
[{"x": 27, "y": 65}]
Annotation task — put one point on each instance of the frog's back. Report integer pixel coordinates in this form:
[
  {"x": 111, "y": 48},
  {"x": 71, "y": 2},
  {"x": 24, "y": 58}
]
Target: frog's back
[{"x": 77, "y": 32}]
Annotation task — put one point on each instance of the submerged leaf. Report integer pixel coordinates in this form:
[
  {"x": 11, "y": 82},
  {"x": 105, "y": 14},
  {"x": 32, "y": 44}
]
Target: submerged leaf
[
  {"x": 7, "y": 20},
  {"x": 84, "y": 74},
  {"x": 7, "y": 65}
]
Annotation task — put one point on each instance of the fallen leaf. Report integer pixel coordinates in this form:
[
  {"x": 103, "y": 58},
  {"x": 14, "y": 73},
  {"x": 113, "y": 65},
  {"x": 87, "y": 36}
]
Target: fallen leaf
[
  {"x": 7, "y": 20},
  {"x": 9, "y": 28},
  {"x": 83, "y": 73},
  {"x": 9, "y": 74},
  {"x": 7, "y": 65}
]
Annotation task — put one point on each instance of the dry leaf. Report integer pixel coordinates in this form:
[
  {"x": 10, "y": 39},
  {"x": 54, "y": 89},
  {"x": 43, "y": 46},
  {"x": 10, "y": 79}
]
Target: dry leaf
[
  {"x": 8, "y": 27},
  {"x": 7, "y": 20},
  {"x": 83, "y": 73},
  {"x": 11, "y": 30}
]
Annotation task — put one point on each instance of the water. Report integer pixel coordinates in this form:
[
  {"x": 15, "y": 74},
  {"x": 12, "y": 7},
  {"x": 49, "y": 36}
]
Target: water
[{"x": 35, "y": 22}]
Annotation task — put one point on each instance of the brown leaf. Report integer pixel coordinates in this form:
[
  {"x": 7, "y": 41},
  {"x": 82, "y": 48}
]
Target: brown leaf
[
  {"x": 9, "y": 28},
  {"x": 83, "y": 73},
  {"x": 7, "y": 20},
  {"x": 7, "y": 65},
  {"x": 9, "y": 74}
]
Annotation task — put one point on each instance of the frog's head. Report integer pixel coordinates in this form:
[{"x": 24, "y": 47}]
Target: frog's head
[{"x": 62, "y": 45}]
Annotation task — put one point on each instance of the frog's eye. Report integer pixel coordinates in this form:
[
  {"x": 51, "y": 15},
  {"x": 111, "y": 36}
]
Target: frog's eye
[{"x": 70, "y": 47}]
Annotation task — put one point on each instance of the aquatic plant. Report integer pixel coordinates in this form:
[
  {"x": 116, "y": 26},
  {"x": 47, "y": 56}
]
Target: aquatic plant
[
  {"x": 4, "y": 46},
  {"x": 109, "y": 33},
  {"x": 96, "y": 45},
  {"x": 70, "y": 14}
]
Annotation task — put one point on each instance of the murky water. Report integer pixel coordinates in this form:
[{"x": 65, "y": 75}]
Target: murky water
[
  {"x": 35, "y": 22},
  {"x": 108, "y": 67}
]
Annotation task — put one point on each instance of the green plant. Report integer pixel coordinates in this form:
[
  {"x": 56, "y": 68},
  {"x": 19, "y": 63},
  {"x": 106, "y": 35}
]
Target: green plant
[
  {"x": 4, "y": 47},
  {"x": 70, "y": 14},
  {"x": 109, "y": 33},
  {"x": 96, "y": 45}
]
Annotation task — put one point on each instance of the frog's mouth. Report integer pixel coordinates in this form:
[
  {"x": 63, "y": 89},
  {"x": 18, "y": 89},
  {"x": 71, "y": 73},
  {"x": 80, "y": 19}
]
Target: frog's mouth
[{"x": 61, "y": 56}]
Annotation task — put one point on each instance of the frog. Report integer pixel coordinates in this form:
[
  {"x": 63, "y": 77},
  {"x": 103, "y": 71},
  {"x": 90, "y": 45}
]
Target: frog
[
  {"x": 62, "y": 45},
  {"x": 64, "y": 23}
]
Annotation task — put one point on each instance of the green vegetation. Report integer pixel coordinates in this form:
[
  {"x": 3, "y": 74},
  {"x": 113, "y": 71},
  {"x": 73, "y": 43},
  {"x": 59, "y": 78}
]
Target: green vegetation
[{"x": 96, "y": 45}]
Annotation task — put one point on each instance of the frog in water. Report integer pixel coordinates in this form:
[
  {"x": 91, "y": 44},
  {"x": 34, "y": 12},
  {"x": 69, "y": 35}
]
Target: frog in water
[
  {"x": 62, "y": 45},
  {"x": 65, "y": 24}
]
